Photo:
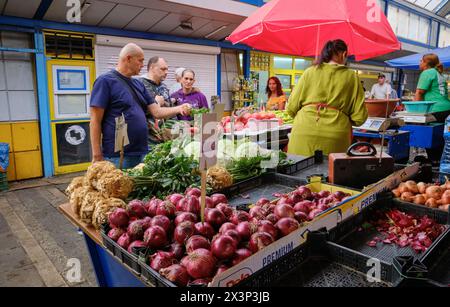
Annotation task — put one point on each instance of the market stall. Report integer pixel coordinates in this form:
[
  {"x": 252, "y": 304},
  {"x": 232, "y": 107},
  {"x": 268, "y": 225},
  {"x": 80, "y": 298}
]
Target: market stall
[{"x": 294, "y": 253}]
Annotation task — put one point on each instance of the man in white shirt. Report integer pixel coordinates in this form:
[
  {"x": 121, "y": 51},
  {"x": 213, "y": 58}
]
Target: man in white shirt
[{"x": 381, "y": 89}]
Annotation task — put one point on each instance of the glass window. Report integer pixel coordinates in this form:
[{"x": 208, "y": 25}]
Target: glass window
[
  {"x": 444, "y": 37},
  {"x": 285, "y": 81},
  {"x": 413, "y": 30},
  {"x": 72, "y": 104},
  {"x": 424, "y": 30},
  {"x": 282, "y": 62},
  {"x": 302, "y": 64},
  {"x": 297, "y": 77},
  {"x": 402, "y": 25}
]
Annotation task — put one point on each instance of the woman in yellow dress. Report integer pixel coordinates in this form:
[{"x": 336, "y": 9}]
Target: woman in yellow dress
[
  {"x": 327, "y": 101},
  {"x": 274, "y": 91}
]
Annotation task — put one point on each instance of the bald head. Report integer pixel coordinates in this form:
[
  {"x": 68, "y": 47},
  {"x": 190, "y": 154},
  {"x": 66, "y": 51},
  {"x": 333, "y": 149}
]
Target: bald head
[
  {"x": 131, "y": 60},
  {"x": 130, "y": 49}
]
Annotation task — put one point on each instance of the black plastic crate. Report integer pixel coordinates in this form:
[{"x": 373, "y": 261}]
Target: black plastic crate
[
  {"x": 150, "y": 276},
  {"x": 3, "y": 182},
  {"x": 270, "y": 274},
  {"x": 125, "y": 257},
  {"x": 299, "y": 164},
  {"x": 349, "y": 246}
]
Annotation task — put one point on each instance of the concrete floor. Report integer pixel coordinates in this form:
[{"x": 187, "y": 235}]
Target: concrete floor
[{"x": 36, "y": 240}]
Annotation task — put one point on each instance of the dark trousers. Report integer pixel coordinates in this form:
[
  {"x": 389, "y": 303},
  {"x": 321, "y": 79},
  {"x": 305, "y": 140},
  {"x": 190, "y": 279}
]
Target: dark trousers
[{"x": 435, "y": 154}]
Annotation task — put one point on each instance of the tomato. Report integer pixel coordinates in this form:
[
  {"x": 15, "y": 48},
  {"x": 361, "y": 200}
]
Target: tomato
[
  {"x": 280, "y": 121},
  {"x": 245, "y": 118},
  {"x": 258, "y": 116}
]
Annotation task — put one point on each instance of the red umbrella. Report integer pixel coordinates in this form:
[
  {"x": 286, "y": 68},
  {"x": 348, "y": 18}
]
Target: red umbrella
[{"x": 302, "y": 27}]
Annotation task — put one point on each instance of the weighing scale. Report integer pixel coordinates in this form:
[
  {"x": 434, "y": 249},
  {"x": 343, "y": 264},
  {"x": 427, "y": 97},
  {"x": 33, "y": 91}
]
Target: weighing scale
[
  {"x": 379, "y": 124},
  {"x": 415, "y": 118}
]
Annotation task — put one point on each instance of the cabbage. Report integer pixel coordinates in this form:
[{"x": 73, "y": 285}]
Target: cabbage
[
  {"x": 193, "y": 150},
  {"x": 225, "y": 149},
  {"x": 248, "y": 149}
]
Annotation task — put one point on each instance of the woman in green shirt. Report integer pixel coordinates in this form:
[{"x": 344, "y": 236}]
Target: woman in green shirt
[
  {"x": 327, "y": 101},
  {"x": 432, "y": 86}
]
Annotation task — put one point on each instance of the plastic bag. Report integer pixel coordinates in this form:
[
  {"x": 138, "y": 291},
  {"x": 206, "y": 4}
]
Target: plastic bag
[{"x": 4, "y": 156}]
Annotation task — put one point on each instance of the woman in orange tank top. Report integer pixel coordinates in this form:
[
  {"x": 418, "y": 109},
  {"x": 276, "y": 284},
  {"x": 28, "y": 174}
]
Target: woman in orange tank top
[{"x": 277, "y": 99}]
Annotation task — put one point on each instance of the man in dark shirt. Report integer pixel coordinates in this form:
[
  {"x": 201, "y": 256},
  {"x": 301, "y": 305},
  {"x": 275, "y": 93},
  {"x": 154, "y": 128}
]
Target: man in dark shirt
[
  {"x": 157, "y": 70},
  {"x": 116, "y": 93}
]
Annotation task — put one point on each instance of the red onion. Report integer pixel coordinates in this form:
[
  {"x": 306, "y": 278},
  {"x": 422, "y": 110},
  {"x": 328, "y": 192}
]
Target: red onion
[
  {"x": 303, "y": 206},
  {"x": 202, "y": 282},
  {"x": 239, "y": 216},
  {"x": 152, "y": 205},
  {"x": 223, "y": 247},
  {"x": 323, "y": 207},
  {"x": 185, "y": 217},
  {"x": 174, "y": 198},
  {"x": 313, "y": 213},
  {"x": 258, "y": 213},
  {"x": 295, "y": 197},
  {"x": 301, "y": 216},
  {"x": 176, "y": 274},
  {"x": 196, "y": 242},
  {"x": 135, "y": 230},
  {"x": 287, "y": 225},
  {"x": 189, "y": 204},
  {"x": 226, "y": 226},
  {"x": 222, "y": 268},
  {"x": 146, "y": 222},
  {"x": 324, "y": 194},
  {"x": 124, "y": 241},
  {"x": 285, "y": 200},
  {"x": 177, "y": 250},
  {"x": 266, "y": 226},
  {"x": 115, "y": 233},
  {"x": 209, "y": 202},
  {"x": 219, "y": 198},
  {"x": 204, "y": 229},
  {"x": 226, "y": 209},
  {"x": 137, "y": 244},
  {"x": 136, "y": 209},
  {"x": 215, "y": 217},
  {"x": 160, "y": 260},
  {"x": 155, "y": 237},
  {"x": 200, "y": 264},
  {"x": 339, "y": 195},
  {"x": 240, "y": 255},
  {"x": 259, "y": 240},
  {"x": 245, "y": 230},
  {"x": 163, "y": 221},
  {"x": 304, "y": 192},
  {"x": 183, "y": 231},
  {"x": 193, "y": 192},
  {"x": 272, "y": 218},
  {"x": 233, "y": 234},
  {"x": 284, "y": 210},
  {"x": 166, "y": 208},
  {"x": 118, "y": 218},
  {"x": 262, "y": 201}
]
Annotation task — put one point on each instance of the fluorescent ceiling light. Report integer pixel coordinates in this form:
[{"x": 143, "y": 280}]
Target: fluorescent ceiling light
[{"x": 215, "y": 31}]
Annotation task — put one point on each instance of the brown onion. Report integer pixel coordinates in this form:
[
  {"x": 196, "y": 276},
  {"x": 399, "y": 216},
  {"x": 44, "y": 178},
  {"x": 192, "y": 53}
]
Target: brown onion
[
  {"x": 412, "y": 186},
  {"x": 446, "y": 198},
  {"x": 407, "y": 196},
  {"x": 422, "y": 187},
  {"x": 419, "y": 199},
  {"x": 434, "y": 192},
  {"x": 431, "y": 203},
  {"x": 402, "y": 188}
]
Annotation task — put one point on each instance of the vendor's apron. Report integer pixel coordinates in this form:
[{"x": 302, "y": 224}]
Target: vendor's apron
[{"x": 324, "y": 106}]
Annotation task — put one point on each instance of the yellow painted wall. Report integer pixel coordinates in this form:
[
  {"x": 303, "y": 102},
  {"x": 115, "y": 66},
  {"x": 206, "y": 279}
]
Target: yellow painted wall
[{"x": 25, "y": 160}]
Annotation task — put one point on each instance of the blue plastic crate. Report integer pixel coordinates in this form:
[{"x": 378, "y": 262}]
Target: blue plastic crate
[{"x": 422, "y": 107}]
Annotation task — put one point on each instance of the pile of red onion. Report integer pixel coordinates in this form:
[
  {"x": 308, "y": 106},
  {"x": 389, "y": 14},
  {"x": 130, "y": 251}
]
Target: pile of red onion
[
  {"x": 188, "y": 251},
  {"x": 405, "y": 229}
]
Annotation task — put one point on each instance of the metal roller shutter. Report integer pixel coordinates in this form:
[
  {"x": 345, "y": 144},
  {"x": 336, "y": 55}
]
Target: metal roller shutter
[{"x": 201, "y": 59}]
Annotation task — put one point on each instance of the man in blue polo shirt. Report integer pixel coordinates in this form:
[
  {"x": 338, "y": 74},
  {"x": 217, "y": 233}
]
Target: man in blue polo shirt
[{"x": 116, "y": 93}]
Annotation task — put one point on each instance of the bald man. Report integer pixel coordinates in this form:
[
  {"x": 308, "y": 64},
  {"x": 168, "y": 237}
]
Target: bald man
[{"x": 115, "y": 93}]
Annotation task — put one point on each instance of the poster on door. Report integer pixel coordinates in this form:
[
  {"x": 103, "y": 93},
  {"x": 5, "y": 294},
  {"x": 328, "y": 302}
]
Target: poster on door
[{"x": 73, "y": 143}]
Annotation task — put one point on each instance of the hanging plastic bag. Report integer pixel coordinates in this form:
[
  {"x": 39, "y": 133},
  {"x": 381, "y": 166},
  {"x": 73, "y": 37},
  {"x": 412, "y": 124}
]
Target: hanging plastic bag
[{"x": 4, "y": 157}]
